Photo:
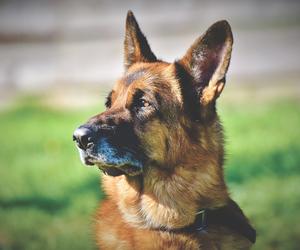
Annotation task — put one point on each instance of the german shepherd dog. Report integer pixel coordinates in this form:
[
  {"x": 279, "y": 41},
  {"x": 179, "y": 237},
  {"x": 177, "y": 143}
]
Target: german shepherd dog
[{"x": 160, "y": 146}]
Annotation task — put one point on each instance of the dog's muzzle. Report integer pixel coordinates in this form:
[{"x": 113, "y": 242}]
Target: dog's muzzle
[{"x": 104, "y": 147}]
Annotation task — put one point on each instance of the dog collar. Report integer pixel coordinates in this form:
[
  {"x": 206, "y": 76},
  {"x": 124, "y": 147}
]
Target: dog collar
[
  {"x": 199, "y": 224},
  {"x": 220, "y": 216}
]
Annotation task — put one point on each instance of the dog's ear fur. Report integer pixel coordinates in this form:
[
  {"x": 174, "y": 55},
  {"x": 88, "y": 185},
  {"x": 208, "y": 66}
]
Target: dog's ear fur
[
  {"x": 136, "y": 47},
  {"x": 207, "y": 61}
]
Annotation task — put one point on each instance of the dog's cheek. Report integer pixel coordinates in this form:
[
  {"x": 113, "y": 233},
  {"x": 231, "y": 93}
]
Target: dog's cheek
[{"x": 153, "y": 140}]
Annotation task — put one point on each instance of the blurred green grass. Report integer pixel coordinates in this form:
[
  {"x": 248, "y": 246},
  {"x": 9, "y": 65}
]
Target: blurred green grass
[{"x": 47, "y": 197}]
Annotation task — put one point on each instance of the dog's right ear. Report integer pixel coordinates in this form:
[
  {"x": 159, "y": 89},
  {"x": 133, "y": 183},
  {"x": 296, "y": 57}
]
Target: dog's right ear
[{"x": 136, "y": 47}]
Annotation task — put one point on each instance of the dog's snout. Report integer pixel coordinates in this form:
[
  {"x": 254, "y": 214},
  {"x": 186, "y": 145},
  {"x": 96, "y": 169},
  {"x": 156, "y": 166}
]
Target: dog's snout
[{"x": 84, "y": 137}]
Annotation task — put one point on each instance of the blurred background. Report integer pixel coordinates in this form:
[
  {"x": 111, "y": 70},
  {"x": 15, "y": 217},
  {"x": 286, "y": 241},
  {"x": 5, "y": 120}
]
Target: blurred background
[{"x": 58, "y": 60}]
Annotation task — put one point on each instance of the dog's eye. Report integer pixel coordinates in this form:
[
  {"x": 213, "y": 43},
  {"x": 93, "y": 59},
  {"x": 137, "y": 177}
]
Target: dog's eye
[
  {"x": 142, "y": 103},
  {"x": 139, "y": 101}
]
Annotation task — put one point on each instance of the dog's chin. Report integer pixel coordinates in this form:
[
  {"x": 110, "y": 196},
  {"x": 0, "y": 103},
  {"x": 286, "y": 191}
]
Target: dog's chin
[{"x": 113, "y": 169}]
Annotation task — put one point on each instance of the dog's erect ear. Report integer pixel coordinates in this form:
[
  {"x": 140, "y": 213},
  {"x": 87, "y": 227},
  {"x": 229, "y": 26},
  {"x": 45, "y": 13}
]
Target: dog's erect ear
[
  {"x": 136, "y": 47},
  {"x": 207, "y": 61}
]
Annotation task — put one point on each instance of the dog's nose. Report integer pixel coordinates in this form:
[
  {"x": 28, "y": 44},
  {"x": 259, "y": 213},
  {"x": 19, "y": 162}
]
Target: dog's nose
[{"x": 84, "y": 137}]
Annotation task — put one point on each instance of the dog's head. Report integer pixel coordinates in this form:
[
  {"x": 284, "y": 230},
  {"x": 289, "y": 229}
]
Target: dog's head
[{"x": 158, "y": 112}]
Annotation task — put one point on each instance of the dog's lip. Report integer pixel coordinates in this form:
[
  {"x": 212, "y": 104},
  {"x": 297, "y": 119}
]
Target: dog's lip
[{"x": 88, "y": 162}]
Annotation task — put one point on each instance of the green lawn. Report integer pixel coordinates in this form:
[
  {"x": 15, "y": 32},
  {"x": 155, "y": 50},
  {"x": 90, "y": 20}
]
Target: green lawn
[{"x": 47, "y": 197}]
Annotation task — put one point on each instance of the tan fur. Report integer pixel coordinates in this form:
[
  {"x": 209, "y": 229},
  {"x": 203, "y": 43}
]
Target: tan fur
[{"x": 185, "y": 173}]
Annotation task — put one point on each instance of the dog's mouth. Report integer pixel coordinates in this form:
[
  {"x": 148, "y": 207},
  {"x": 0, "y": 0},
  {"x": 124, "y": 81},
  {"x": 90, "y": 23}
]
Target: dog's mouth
[{"x": 110, "y": 159}]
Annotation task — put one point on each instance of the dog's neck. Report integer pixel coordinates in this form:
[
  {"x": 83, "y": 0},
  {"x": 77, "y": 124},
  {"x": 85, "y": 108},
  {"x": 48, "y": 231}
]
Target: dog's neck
[{"x": 157, "y": 199}]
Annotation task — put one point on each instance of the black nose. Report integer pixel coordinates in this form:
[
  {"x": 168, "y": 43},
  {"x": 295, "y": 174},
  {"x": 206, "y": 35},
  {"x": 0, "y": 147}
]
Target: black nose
[{"x": 84, "y": 137}]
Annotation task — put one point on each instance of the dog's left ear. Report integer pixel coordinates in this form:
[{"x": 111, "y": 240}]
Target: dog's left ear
[
  {"x": 136, "y": 47},
  {"x": 207, "y": 61}
]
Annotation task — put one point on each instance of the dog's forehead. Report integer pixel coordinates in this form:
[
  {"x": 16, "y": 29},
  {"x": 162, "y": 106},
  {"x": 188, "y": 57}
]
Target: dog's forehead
[
  {"x": 160, "y": 77},
  {"x": 145, "y": 72},
  {"x": 130, "y": 77}
]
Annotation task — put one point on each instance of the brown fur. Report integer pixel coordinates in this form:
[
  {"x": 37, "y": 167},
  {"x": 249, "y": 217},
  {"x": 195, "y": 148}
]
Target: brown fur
[{"x": 182, "y": 137}]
